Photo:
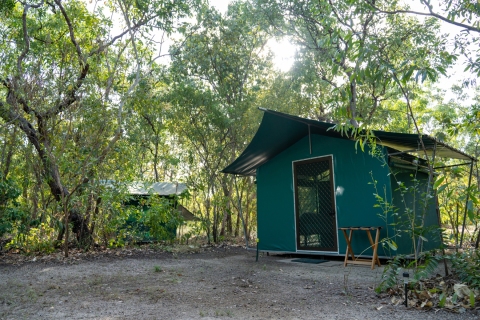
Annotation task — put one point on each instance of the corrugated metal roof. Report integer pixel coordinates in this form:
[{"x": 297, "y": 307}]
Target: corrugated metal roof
[{"x": 278, "y": 131}]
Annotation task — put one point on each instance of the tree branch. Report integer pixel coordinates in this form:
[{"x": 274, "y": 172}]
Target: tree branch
[
  {"x": 13, "y": 98},
  {"x": 33, "y": 136},
  {"x": 70, "y": 96},
  {"x": 112, "y": 71},
  {"x": 72, "y": 33},
  {"x": 102, "y": 47},
  {"x": 26, "y": 39},
  {"x": 431, "y": 13},
  {"x": 150, "y": 123}
]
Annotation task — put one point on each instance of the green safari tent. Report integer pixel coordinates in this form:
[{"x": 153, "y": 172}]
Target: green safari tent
[{"x": 311, "y": 181}]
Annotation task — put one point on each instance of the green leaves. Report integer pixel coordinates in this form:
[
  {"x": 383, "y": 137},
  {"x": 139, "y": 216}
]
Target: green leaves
[
  {"x": 11, "y": 213},
  {"x": 438, "y": 182},
  {"x": 6, "y": 6},
  {"x": 392, "y": 244},
  {"x": 351, "y": 65}
]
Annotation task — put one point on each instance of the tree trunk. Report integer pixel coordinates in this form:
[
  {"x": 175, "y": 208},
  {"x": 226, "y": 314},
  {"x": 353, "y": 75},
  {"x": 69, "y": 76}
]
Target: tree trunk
[
  {"x": 95, "y": 215},
  {"x": 227, "y": 220},
  {"x": 80, "y": 229},
  {"x": 207, "y": 219},
  {"x": 223, "y": 223},
  {"x": 8, "y": 152},
  {"x": 215, "y": 224},
  {"x": 237, "y": 226},
  {"x": 155, "y": 160},
  {"x": 353, "y": 104}
]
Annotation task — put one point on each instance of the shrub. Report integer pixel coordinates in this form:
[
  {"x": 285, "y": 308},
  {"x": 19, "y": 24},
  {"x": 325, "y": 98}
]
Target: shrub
[
  {"x": 466, "y": 266},
  {"x": 11, "y": 214}
]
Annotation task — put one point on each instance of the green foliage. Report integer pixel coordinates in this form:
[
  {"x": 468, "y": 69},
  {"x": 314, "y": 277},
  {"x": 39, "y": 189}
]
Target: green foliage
[
  {"x": 9, "y": 192},
  {"x": 144, "y": 219},
  {"x": 405, "y": 210},
  {"x": 127, "y": 117},
  {"x": 428, "y": 265},
  {"x": 218, "y": 70},
  {"x": 6, "y": 6},
  {"x": 12, "y": 216},
  {"x": 422, "y": 268},
  {"x": 390, "y": 274},
  {"x": 463, "y": 14},
  {"x": 453, "y": 194},
  {"x": 36, "y": 240},
  {"x": 466, "y": 266},
  {"x": 362, "y": 137},
  {"x": 387, "y": 214},
  {"x": 162, "y": 218},
  {"x": 66, "y": 83},
  {"x": 351, "y": 55}
]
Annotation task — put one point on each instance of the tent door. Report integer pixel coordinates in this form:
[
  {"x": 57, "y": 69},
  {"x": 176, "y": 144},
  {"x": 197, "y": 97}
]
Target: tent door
[{"x": 315, "y": 218}]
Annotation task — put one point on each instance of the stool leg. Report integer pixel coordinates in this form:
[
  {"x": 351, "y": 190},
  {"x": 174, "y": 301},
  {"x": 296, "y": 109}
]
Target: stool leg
[
  {"x": 374, "y": 248},
  {"x": 346, "y": 251},
  {"x": 348, "y": 239},
  {"x": 350, "y": 244}
]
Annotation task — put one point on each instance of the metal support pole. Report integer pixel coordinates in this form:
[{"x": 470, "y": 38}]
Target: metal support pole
[
  {"x": 466, "y": 203},
  {"x": 453, "y": 165},
  {"x": 240, "y": 210}
]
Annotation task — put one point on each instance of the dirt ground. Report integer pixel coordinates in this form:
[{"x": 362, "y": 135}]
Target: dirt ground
[{"x": 194, "y": 283}]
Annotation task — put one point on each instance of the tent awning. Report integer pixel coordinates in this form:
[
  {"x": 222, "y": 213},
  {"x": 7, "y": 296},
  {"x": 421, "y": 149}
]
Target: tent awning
[{"x": 278, "y": 131}]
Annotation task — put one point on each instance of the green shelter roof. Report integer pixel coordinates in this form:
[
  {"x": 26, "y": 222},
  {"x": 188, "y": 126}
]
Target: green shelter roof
[{"x": 278, "y": 131}]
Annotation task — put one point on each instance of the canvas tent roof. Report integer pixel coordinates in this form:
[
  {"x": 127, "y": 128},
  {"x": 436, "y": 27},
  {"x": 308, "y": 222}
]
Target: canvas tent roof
[
  {"x": 187, "y": 214},
  {"x": 146, "y": 188},
  {"x": 278, "y": 131},
  {"x": 160, "y": 188}
]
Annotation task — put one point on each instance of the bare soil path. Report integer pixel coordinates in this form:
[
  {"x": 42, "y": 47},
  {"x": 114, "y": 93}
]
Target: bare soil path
[{"x": 201, "y": 283}]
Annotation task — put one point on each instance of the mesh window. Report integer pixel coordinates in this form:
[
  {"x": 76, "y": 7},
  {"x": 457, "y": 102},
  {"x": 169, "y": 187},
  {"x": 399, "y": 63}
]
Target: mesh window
[{"x": 316, "y": 225}]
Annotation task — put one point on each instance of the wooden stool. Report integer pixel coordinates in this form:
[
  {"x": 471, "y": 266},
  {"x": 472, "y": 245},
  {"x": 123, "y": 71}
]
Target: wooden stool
[{"x": 348, "y": 239}]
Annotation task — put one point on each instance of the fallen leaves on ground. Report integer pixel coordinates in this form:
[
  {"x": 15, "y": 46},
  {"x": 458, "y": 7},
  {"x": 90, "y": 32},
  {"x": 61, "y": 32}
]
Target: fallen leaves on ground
[
  {"x": 438, "y": 292},
  {"x": 75, "y": 255}
]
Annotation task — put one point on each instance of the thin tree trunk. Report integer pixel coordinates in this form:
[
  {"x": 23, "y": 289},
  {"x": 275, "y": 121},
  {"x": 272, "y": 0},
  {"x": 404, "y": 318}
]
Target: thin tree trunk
[
  {"x": 207, "y": 218},
  {"x": 237, "y": 225},
  {"x": 95, "y": 215},
  {"x": 9, "y": 154},
  {"x": 155, "y": 161},
  {"x": 226, "y": 221},
  {"x": 353, "y": 104},
  {"x": 223, "y": 223},
  {"x": 229, "y": 222}
]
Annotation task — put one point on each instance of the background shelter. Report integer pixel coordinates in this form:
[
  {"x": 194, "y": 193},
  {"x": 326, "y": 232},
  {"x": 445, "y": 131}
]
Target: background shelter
[
  {"x": 138, "y": 194},
  {"x": 311, "y": 181}
]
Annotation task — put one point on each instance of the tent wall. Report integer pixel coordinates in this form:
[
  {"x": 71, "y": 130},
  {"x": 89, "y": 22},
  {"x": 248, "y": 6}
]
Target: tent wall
[
  {"x": 411, "y": 205},
  {"x": 354, "y": 193}
]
